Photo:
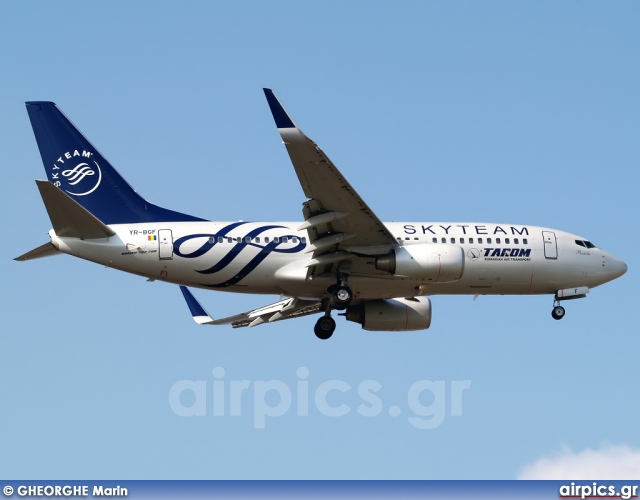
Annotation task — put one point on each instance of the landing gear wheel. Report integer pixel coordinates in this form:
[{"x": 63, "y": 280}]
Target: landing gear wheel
[
  {"x": 325, "y": 326},
  {"x": 557, "y": 312},
  {"x": 341, "y": 297}
]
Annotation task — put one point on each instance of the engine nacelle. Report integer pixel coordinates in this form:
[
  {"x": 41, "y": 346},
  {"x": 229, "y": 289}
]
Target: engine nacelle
[
  {"x": 430, "y": 263},
  {"x": 392, "y": 315}
]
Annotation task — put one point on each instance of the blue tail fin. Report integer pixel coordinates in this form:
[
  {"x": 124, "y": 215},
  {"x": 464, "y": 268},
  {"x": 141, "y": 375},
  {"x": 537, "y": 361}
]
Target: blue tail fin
[{"x": 75, "y": 166}]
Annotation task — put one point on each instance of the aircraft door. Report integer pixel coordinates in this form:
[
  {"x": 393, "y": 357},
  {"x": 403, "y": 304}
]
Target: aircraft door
[
  {"x": 165, "y": 244},
  {"x": 550, "y": 245}
]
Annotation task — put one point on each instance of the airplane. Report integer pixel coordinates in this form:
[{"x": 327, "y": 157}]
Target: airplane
[{"x": 341, "y": 257}]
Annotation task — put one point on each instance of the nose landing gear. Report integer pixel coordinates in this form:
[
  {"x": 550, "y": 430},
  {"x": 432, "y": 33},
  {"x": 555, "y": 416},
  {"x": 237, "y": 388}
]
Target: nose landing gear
[
  {"x": 579, "y": 292},
  {"x": 557, "y": 311}
]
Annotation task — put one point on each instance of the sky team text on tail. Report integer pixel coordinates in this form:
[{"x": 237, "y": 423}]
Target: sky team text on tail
[{"x": 341, "y": 257}]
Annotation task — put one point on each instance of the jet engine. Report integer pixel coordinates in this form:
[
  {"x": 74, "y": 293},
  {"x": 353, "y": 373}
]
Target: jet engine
[
  {"x": 435, "y": 263},
  {"x": 392, "y": 315}
]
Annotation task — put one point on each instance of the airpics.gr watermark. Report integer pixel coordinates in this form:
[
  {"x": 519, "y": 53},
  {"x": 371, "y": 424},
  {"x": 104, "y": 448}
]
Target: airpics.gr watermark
[{"x": 426, "y": 400}]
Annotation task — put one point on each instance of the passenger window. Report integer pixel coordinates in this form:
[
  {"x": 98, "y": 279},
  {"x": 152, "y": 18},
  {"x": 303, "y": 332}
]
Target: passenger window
[
  {"x": 444, "y": 240},
  {"x": 497, "y": 241},
  {"x": 285, "y": 239},
  {"x": 276, "y": 239},
  {"x": 470, "y": 240},
  {"x": 229, "y": 240},
  {"x": 524, "y": 241},
  {"x": 220, "y": 239},
  {"x": 257, "y": 239},
  {"x": 212, "y": 240},
  {"x": 415, "y": 238},
  {"x": 453, "y": 240},
  {"x": 489, "y": 241},
  {"x": 407, "y": 238},
  {"x": 247, "y": 240},
  {"x": 435, "y": 240},
  {"x": 294, "y": 240},
  {"x": 266, "y": 239},
  {"x": 304, "y": 240},
  {"x": 399, "y": 239},
  {"x": 479, "y": 241},
  {"x": 515, "y": 241},
  {"x": 461, "y": 240},
  {"x": 506, "y": 240}
]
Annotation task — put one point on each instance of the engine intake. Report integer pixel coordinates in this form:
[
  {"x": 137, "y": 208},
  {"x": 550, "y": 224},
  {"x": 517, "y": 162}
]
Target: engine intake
[{"x": 435, "y": 263}]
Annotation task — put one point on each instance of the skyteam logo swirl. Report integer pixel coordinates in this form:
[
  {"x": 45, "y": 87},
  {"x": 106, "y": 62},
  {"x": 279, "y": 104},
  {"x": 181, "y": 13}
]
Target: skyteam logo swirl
[
  {"x": 77, "y": 179},
  {"x": 78, "y": 173},
  {"x": 281, "y": 244}
]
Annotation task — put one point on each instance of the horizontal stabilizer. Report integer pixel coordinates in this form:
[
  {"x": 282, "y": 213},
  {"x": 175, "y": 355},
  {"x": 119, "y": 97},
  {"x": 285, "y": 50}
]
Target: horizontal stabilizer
[
  {"x": 68, "y": 217},
  {"x": 45, "y": 250}
]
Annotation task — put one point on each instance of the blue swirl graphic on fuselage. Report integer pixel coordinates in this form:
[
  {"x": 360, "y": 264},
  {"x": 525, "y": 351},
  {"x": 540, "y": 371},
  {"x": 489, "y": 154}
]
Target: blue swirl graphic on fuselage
[{"x": 212, "y": 240}]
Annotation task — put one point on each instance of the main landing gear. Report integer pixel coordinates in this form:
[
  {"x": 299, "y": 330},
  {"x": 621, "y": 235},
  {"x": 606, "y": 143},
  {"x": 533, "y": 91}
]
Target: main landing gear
[
  {"x": 341, "y": 296},
  {"x": 325, "y": 326}
]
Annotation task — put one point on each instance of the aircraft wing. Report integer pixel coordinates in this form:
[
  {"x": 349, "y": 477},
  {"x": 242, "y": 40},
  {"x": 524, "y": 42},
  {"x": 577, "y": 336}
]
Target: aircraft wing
[
  {"x": 285, "y": 309},
  {"x": 335, "y": 212}
]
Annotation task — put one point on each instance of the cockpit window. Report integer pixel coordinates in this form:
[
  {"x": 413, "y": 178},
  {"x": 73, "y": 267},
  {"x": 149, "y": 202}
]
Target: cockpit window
[{"x": 585, "y": 243}]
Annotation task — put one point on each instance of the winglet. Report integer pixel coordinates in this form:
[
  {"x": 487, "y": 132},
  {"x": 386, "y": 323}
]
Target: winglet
[
  {"x": 280, "y": 115},
  {"x": 200, "y": 316}
]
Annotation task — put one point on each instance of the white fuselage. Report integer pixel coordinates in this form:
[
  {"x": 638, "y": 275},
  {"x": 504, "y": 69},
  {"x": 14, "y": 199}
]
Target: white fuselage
[{"x": 271, "y": 258}]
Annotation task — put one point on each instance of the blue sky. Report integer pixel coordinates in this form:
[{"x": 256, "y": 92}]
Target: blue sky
[{"x": 512, "y": 112}]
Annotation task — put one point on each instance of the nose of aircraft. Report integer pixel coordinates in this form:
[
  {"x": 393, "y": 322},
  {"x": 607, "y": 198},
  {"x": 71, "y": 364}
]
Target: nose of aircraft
[{"x": 615, "y": 267}]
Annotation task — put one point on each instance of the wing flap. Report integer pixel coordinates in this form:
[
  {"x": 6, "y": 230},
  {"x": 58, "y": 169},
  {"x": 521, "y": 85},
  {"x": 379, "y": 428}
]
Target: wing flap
[{"x": 284, "y": 309}]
